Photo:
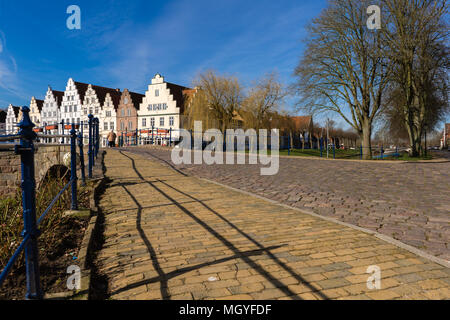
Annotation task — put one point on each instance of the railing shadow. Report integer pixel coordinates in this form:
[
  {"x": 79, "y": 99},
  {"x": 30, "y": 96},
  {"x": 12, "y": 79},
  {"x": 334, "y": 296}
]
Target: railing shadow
[{"x": 275, "y": 282}]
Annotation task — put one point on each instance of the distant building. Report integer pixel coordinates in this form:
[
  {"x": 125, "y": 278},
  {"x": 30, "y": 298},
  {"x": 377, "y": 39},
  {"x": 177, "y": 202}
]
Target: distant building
[
  {"x": 127, "y": 112},
  {"x": 35, "y": 111},
  {"x": 446, "y": 135},
  {"x": 94, "y": 100},
  {"x": 108, "y": 117},
  {"x": 2, "y": 122},
  {"x": 12, "y": 119},
  {"x": 162, "y": 106},
  {"x": 51, "y": 109}
]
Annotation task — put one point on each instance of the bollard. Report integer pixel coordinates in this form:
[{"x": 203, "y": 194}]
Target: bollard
[
  {"x": 170, "y": 137},
  {"x": 321, "y": 147},
  {"x": 289, "y": 145},
  {"x": 382, "y": 153},
  {"x": 90, "y": 149},
  {"x": 28, "y": 185},
  {"x": 80, "y": 145},
  {"x": 334, "y": 151},
  {"x": 73, "y": 166},
  {"x": 361, "y": 152}
]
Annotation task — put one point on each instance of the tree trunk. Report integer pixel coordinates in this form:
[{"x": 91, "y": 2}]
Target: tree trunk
[{"x": 366, "y": 135}]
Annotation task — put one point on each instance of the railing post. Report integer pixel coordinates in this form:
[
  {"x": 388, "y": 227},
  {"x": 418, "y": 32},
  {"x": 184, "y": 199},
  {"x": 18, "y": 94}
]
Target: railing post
[
  {"x": 97, "y": 136},
  {"x": 153, "y": 139},
  {"x": 73, "y": 166},
  {"x": 90, "y": 148},
  {"x": 28, "y": 185},
  {"x": 80, "y": 145},
  {"x": 62, "y": 131},
  {"x": 170, "y": 137}
]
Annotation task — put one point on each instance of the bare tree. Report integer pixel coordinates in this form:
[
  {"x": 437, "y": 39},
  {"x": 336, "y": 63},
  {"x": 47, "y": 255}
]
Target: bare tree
[
  {"x": 263, "y": 99},
  {"x": 217, "y": 98},
  {"x": 343, "y": 69},
  {"x": 417, "y": 35}
]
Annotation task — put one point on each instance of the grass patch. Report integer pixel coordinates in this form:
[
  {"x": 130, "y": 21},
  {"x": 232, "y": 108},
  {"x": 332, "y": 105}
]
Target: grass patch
[{"x": 58, "y": 243}]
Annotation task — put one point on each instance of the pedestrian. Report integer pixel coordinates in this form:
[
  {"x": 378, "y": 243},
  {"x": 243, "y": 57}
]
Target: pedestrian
[{"x": 112, "y": 139}]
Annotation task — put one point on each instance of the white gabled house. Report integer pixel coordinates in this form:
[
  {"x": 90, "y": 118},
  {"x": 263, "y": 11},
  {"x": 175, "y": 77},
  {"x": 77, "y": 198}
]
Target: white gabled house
[
  {"x": 162, "y": 107},
  {"x": 13, "y": 116},
  {"x": 35, "y": 111}
]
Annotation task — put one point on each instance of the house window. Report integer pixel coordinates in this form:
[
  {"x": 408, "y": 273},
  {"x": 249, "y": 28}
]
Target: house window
[
  {"x": 171, "y": 121},
  {"x": 156, "y": 93},
  {"x": 105, "y": 126},
  {"x": 125, "y": 100},
  {"x": 129, "y": 112},
  {"x": 108, "y": 113},
  {"x": 144, "y": 122},
  {"x": 123, "y": 113},
  {"x": 75, "y": 108},
  {"x": 152, "y": 122},
  {"x": 111, "y": 124},
  {"x": 161, "y": 122},
  {"x": 122, "y": 127},
  {"x": 96, "y": 110},
  {"x": 130, "y": 125}
]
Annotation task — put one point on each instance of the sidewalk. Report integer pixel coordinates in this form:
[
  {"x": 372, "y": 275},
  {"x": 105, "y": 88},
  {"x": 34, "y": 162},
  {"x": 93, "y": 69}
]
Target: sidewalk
[{"x": 168, "y": 236}]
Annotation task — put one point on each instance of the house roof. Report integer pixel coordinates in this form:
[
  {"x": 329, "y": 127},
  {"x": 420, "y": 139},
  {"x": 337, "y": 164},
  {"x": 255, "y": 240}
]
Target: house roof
[
  {"x": 58, "y": 95},
  {"x": 178, "y": 93},
  {"x": 3, "y": 116},
  {"x": 136, "y": 98},
  {"x": 16, "y": 110},
  {"x": 40, "y": 104},
  {"x": 100, "y": 91},
  {"x": 302, "y": 122}
]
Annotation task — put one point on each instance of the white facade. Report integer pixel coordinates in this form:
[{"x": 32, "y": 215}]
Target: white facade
[
  {"x": 71, "y": 103},
  {"x": 108, "y": 120},
  {"x": 159, "y": 108},
  {"x": 12, "y": 119},
  {"x": 51, "y": 113},
  {"x": 35, "y": 111}
]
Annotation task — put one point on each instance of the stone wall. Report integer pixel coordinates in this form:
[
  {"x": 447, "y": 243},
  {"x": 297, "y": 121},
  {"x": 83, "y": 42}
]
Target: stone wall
[{"x": 10, "y": 172}]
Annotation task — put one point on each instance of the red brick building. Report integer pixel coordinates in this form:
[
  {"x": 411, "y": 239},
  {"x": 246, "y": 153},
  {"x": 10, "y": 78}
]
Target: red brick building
[{"x": 127, "y": 116}]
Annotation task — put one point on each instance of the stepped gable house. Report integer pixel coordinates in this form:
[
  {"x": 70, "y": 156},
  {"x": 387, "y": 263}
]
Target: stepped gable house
[
  {"x": 51, "y": 110},
  {"x": 12, "y": 119},
  {"x": 35, "y": 110},
  {"x": 127, "y": 112},
  {"x": 93, "y": 102},
  {"x": 108, "y": 117},
  {"x": 162, "y": 106}
]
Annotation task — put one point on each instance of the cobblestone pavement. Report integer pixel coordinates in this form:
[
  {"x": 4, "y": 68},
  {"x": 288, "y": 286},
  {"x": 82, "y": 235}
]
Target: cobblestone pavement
[
  {"x": 172, "y": 236},
  {"x": 409, "y": 202}
]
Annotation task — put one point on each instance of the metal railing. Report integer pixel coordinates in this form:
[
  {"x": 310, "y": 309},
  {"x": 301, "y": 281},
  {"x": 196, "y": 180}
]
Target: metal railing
[{"x": 26, "y": 149}]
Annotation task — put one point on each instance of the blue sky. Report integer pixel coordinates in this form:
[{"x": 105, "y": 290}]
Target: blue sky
[{"x": 122, "y": 44}]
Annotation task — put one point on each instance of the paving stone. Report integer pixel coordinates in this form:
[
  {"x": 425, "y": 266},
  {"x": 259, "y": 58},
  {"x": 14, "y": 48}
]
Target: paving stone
[{"x": 186, "y": 238}]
